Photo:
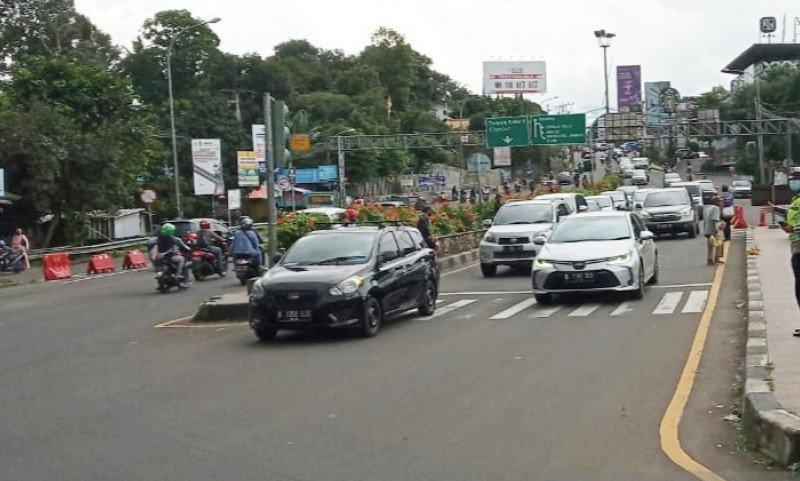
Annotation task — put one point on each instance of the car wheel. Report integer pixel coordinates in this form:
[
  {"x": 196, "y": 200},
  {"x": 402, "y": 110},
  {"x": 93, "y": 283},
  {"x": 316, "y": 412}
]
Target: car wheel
[
  {"x": 265, "y": 333},
  {"x": 639, "y": 292},
  {"x": 428, "y": 304},
  {"x": 654, "y": 279},
  {"x": 371, "y": 318},
  {"x": 488, "y": 270},
  {"x": 543, "y": 299}
]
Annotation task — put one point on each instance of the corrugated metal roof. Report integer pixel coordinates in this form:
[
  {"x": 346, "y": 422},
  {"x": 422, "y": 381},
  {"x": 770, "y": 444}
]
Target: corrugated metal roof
[{"x": 763, "y": 52}]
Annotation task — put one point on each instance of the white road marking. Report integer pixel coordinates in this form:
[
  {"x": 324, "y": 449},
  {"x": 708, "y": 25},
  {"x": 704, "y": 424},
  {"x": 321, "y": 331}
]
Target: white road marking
[
  {"x": 623, "y": 308},
  {"x": 584, "y": 310},
  {"x": 482, "y": 293},
  {"x": 696, "y": 302},
  {"x": 515, "y": 309},
  {"x": 451, "y": 307},
  {"x": 680, "y": 286},
  {"x": 668, "y": 303},
  {"x": 438, "y": 301},
  {"x": 542, "y": 313}
]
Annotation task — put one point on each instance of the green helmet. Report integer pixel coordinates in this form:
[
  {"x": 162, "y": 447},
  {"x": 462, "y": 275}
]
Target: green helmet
[{"x": 168, "y": 229}]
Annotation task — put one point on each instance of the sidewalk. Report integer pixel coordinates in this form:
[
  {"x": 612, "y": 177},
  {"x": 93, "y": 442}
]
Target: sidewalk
[{"x": 781, "y": 313}]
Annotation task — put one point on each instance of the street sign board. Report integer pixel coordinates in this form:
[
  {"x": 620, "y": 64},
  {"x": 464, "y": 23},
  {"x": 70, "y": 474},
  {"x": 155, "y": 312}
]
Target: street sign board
[
  {"x": 285, "y": 184},
  {"x": 502, "y": 156},
  {"x": 148, "y": 196},
  {"x": 234, "y": 199},
  {"x": 247, "y": 163},
  {"x": 479, "y": 163},
  {"x": 300, "y": 142},
  {"x": 558, "y": 129},
  {"x": 259, "y": 132},
  {"x": 207, "y": 163},
  {"x": 463, "y": 138},
  {"x": 507, "y": 131}
]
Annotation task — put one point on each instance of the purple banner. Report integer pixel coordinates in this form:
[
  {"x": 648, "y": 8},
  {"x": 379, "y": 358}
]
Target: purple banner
[{"x": 629, "y": 87}]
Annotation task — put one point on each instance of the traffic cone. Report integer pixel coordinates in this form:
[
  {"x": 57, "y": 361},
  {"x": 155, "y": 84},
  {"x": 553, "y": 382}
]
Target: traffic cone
[{"x": 739, "y": 221}]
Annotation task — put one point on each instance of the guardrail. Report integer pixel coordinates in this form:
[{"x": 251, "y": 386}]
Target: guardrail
[{"x": 92, "y": 249}]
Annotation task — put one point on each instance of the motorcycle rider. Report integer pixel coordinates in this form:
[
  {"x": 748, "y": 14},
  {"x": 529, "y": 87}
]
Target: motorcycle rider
[
  {"x": 169, "y": 250},
  {"x": 247, "y": 242},
  {"x": 209, "y": 240}
]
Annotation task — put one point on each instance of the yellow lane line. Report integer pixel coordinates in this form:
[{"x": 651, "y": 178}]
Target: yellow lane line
[{"x": 668, "y": 431}]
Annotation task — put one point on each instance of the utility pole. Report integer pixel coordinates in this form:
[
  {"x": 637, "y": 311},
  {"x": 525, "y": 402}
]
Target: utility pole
[
  {"x": 342, "y": 187},
  {"x": 172, "y": 129},
  {"x": 272, "y": 221},
  {"x": 759, "y": 135}
]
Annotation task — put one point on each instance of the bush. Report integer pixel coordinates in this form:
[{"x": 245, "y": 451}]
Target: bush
[{"x": 294, "y": 226}]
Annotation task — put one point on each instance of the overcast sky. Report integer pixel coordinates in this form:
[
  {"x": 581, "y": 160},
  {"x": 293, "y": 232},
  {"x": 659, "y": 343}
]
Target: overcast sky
[{"x": 685, "y": 41}]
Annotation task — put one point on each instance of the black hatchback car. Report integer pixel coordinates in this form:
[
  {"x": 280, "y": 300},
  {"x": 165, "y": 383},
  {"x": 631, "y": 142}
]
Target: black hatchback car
[{"x": 346, "y": 276}]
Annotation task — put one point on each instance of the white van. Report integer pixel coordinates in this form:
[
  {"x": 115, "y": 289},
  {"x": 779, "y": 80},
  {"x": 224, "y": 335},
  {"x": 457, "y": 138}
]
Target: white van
[{"x": 641, "y": 163}]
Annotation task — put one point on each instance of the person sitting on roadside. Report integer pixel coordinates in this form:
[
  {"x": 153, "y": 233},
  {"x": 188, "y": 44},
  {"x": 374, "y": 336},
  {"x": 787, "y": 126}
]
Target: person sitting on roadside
[
  {"x": 211, "y": 241},
  {"x": 247, "y": 242}
]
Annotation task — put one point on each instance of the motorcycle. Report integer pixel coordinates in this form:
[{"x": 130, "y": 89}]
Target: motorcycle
[
  {"x": 204, "y": 263},
  {"x": 246, "y": 268},
  {"x": 11, "y": 260},
  {"x": 165, "y": 276}
]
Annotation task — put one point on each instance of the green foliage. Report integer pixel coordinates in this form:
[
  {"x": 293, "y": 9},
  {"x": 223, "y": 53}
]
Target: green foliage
[{"x": 295, "y": 226}]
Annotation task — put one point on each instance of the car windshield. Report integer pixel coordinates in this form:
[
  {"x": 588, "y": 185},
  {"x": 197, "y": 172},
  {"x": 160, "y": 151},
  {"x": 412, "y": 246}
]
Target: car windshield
[
  {"x": 665, "y": 198},
  {"x": 602, "y": 200},
  {"x": 640, "y": 195},
  {"x": 694, "y": 190},
  {"x": 615, "y": 194},
  {"x": 741, "y": 183},
  {"x": 331, "y": 248},
  {"x": 584, "y": 228},
  {"x": 524, "y": 214},
  {"x": 671, "y": 176},
  {"x": 706, "y": 184}
]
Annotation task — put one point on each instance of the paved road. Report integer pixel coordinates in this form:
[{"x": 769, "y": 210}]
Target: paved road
[{"x": 493, "y": 387}]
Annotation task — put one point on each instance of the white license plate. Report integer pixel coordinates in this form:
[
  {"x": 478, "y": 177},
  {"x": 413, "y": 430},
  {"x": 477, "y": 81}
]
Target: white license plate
[
  {"x": 294, "y": 315},
  {"x": 577, "y": 276}
]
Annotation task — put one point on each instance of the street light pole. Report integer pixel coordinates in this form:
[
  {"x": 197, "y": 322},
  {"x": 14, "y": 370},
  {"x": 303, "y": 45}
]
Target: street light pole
[
  {"x": 604, "y": 40},
  {"x": 168, "y": 59},
  {"x": 605, "y": 71}
]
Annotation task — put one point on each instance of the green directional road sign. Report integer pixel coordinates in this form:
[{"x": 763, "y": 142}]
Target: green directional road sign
[
  {"x": 558, "y": 129},
  {"x": 507, "y": 132}
]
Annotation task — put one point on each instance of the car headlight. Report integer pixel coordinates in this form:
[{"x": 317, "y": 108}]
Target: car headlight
[
  {"x": 543, "y": 263},
  {"x": 490, "y": 238},
  {"x": 257, "y": 292},
  {"x": 544, "y": 233},
  {"x": 644, "y": 213},
  {"x": 347, "y": 286},
  {"x": 622, "y": 259}
]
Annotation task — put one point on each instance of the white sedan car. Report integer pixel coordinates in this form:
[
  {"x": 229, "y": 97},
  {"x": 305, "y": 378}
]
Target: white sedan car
[{"x": 597, "y": 251}]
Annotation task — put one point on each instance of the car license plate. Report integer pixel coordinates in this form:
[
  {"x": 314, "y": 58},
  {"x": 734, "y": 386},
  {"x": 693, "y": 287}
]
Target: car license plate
[
  {"x": 578, "y": 276},
  {"x": 294, "y": 315},
  {"x": 512, "y": 248}
]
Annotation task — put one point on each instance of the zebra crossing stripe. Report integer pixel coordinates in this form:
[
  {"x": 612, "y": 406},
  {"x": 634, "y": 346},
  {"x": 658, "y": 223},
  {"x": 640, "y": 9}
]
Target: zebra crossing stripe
[
  {"x": 451, "y": 307},
  {"x": 584, "y": 310},
  {"x": 623, "y": 308},
  {"x": 541, "y": 313},
  {"x": 515, "y": 309},
  {"x": 696, "y": 302},
  {"x": 668, "y": 303}
]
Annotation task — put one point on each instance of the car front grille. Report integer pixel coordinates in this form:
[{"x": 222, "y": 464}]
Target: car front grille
[
  {"x": 514, "y": 255},
  {"x": 565, "y": 280},
  {"x": 665, "y": 218},
  {"x": 293, "y": 299},
  {"x": 512, "y": 240}
]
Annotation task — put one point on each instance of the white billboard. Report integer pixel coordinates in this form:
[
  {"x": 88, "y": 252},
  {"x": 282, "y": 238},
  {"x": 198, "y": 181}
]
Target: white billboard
[
  {"x": 502, "y": 156},
  {"x": 207, "y": 162},
  {"x": 234, "y": 199},
  {"x": 514, "y": 78}
]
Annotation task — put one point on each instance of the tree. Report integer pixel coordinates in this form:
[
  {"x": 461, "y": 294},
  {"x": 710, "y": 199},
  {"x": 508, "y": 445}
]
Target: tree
[{"x": 72, "y": 139}]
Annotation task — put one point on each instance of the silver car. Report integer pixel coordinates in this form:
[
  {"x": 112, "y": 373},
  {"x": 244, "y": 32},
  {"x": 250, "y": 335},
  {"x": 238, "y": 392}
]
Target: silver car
[
  {"x": 597, "y": 251},
  {"x": 604, "y": 202},
  {"x": 509, "y": 240}
]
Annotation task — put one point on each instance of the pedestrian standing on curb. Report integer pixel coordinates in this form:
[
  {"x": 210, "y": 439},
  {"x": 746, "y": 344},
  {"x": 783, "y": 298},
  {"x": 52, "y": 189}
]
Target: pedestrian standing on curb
[
  {"x": 711, "y": 226},
  {"x": 424, "y": 226},
  {"x": 727, "y": 210},
  {"x": 793, "y": 227}
]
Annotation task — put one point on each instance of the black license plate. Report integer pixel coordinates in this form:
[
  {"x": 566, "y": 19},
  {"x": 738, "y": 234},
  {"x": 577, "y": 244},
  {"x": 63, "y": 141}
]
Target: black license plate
[
  {"x": 512, "y": 248},
  {"x": 300, "y": 315},
  {"x": 578, "y": 276}
]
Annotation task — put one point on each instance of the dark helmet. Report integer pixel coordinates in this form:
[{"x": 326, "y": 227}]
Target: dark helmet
[{"x": 246, "y": 223}]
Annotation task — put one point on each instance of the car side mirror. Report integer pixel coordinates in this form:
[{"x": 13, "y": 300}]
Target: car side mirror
[
  {"x": 487, "y": 223},
  {"x": 583, "y": 208},
  {"x": 638, "y": 205},
  {"x": 539, "y": 241},
  {"x": 646, "y": 235}
]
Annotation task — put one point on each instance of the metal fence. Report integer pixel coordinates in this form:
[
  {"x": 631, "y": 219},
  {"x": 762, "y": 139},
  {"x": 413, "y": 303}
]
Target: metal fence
[{"x": 92, "y": 249}]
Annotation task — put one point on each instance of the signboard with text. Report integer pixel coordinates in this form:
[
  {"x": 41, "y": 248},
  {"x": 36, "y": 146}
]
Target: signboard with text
[
  {"x": 514, "y": 78},
  {"x": 247, "y": 164},
  {"x": 502, "y": 156},
  {"x": 234, "y": 199},
  {"x": 259, "y": 133},
  {"x": 558, "y": 129},
  {"x": 629, "y": 88},
  {"x": 507, "y": 131},
  {"x": 207, "y": 165}
]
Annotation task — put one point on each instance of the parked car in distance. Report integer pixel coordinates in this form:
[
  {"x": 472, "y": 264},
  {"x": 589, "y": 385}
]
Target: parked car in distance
[
  {"x": 695, "y": 192},
  {"x": 597, "y": 251},
  {"x": 741, "y": 189},
  {"x": 686, "y": 153},
  {"x": 702, "y": 155},
  {"x": 618, "y": 197},
  {"x": 509, "y": 239},
  {"x": 332, "y": 213},
  {"x": 670, "y": 211},
  {"x": 628, "y": 190},
  {"x": 625, "y": 167},
  {"x": 593, "y": 206},
  {"x": 185, "y": 226},
  {"x": 604, "y": 146},
  {"x": 575, "y": 202},
  {"x": 346, "y": 277},
  {"x": 604, "y": 202},
  {"x": 670, "y": 178},
  {"x": 707, "y": 189},
  {"x": 641, "y": 163},
  {"x": 640, "y": 177},
  {"x": 564, "y": 178}
]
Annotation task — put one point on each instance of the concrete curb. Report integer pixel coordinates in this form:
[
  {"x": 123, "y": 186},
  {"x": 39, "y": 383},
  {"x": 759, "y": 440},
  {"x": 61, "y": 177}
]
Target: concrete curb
[
  {"x": 234, "y": 307},
  {"x": 776, "y": 430}
]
